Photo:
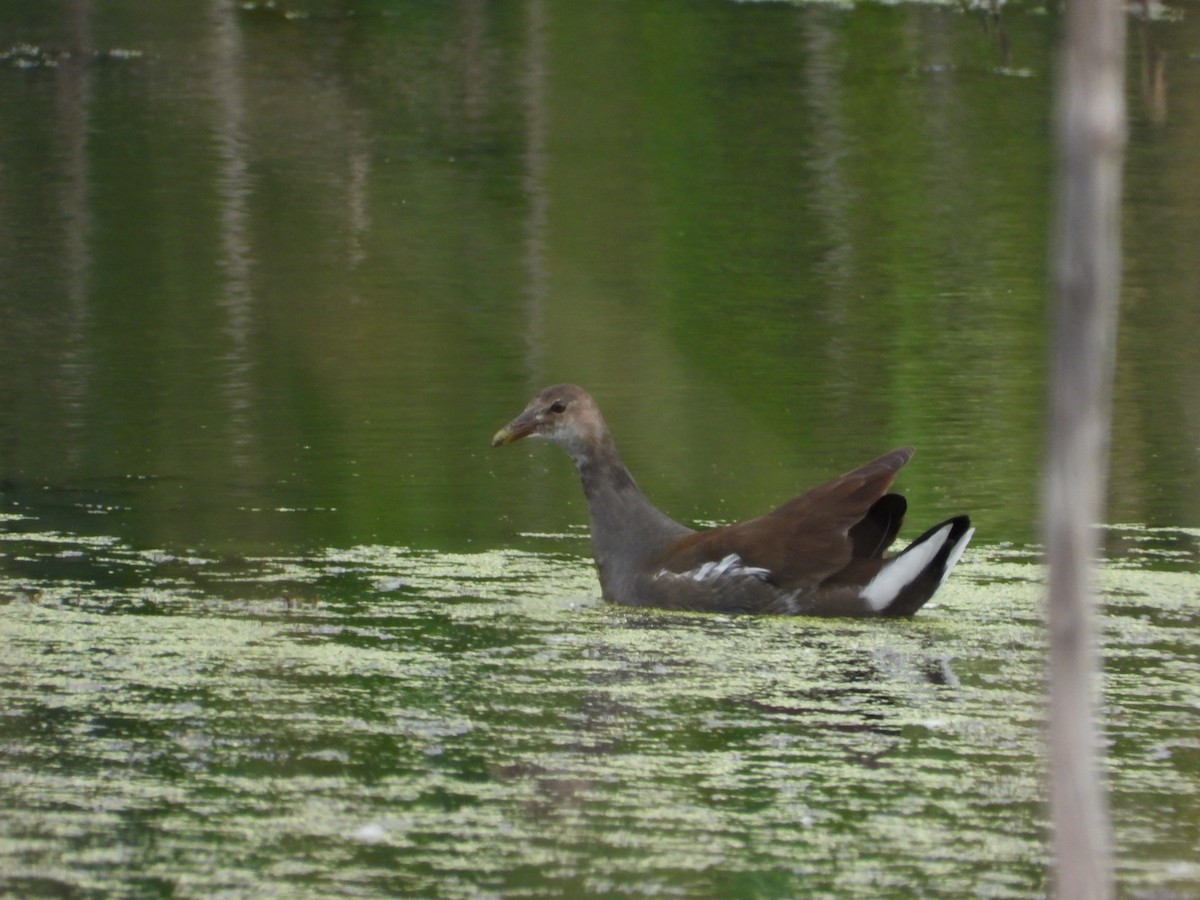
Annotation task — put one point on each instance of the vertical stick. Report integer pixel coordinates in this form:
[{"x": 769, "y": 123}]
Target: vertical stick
[{"x": 1091, "y": 137}]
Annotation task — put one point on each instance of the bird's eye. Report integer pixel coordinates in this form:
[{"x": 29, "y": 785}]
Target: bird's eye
[{"x": 558, "y": 406}]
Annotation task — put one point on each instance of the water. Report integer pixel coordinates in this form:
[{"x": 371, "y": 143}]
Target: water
[
  {"x": 276, "y": 620},
  {"x": 380, "y": 720}
]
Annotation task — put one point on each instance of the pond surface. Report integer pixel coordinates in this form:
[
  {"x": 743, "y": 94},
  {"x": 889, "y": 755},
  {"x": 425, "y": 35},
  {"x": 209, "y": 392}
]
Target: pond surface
[
  {"x": 384, "y": 721},
  {"x": 275, "y": 620}
]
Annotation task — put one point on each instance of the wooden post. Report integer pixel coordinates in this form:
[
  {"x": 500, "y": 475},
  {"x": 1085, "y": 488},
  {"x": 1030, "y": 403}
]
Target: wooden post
[{"x": 1091, "y": 139}]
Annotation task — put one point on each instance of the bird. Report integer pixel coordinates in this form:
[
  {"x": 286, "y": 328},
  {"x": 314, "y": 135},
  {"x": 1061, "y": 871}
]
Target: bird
[{"x": 819, "y": 554}]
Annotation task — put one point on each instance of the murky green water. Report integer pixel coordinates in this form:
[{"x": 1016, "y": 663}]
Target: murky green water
[
  {"x": 274, "y": 620},
  {"x": 384, "y": 720}
]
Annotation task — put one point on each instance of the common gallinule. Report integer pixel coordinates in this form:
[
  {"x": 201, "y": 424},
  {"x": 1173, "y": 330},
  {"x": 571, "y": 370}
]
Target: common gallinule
[{"x": 820, "y": 554}]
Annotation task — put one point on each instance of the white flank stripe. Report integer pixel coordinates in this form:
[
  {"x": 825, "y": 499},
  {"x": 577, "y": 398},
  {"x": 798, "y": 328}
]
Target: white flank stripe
[
  {"x": 956, "y": 554},
  {"x": 902, "y": 571},
  {"x": 729, "y": 567}
]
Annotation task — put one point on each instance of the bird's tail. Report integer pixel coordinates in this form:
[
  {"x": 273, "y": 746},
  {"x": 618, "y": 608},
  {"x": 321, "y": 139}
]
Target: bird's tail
[{"x": 906, "y": 581}]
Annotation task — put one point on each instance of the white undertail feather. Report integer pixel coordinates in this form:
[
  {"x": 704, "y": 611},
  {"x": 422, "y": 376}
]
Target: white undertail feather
[
  {"x": 904, "y": 570},
  {"x": 956, "y": 554}
]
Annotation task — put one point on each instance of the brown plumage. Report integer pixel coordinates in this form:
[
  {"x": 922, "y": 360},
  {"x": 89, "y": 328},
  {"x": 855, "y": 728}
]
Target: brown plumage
[{"x": 819, "y": 554}]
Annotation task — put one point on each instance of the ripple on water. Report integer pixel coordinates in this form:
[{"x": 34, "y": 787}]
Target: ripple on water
[{"x": 385, "y": 719}]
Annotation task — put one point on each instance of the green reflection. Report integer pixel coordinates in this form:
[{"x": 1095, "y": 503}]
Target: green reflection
[
  {"x": 773, "y": 239},
  {"x": 274, "y": 618}
]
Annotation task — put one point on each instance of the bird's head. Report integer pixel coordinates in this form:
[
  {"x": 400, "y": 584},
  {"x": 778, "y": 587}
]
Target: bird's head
[{"x": 563, "y": 413}]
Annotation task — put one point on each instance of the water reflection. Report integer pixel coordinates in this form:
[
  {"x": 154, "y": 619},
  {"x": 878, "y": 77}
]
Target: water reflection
[
  {"x": 268, "y": 288},
  {"x": 489, "y": 209},
  {"x": 73, "y": 82},
  {"x": 1151, "y": 63},
  {"x": 537, "y": 191},
  {"x": 235, "y": 259},
  {"x": 358, "y": 215},
  {"x": 993, "y": 24}
]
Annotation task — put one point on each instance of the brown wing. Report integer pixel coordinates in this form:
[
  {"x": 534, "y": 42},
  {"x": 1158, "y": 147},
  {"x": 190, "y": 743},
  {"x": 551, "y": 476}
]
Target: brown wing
[{"x": 808, "y": 539}]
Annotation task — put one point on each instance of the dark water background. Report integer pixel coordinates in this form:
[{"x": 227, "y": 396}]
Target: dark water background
[{"x": 275, "y": 620}]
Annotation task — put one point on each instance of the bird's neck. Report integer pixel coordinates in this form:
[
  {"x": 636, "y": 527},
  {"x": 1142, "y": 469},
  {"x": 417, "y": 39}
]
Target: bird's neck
[
  {"x": 601, "y": 471},
  {"x": 628, "y": 531}
]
